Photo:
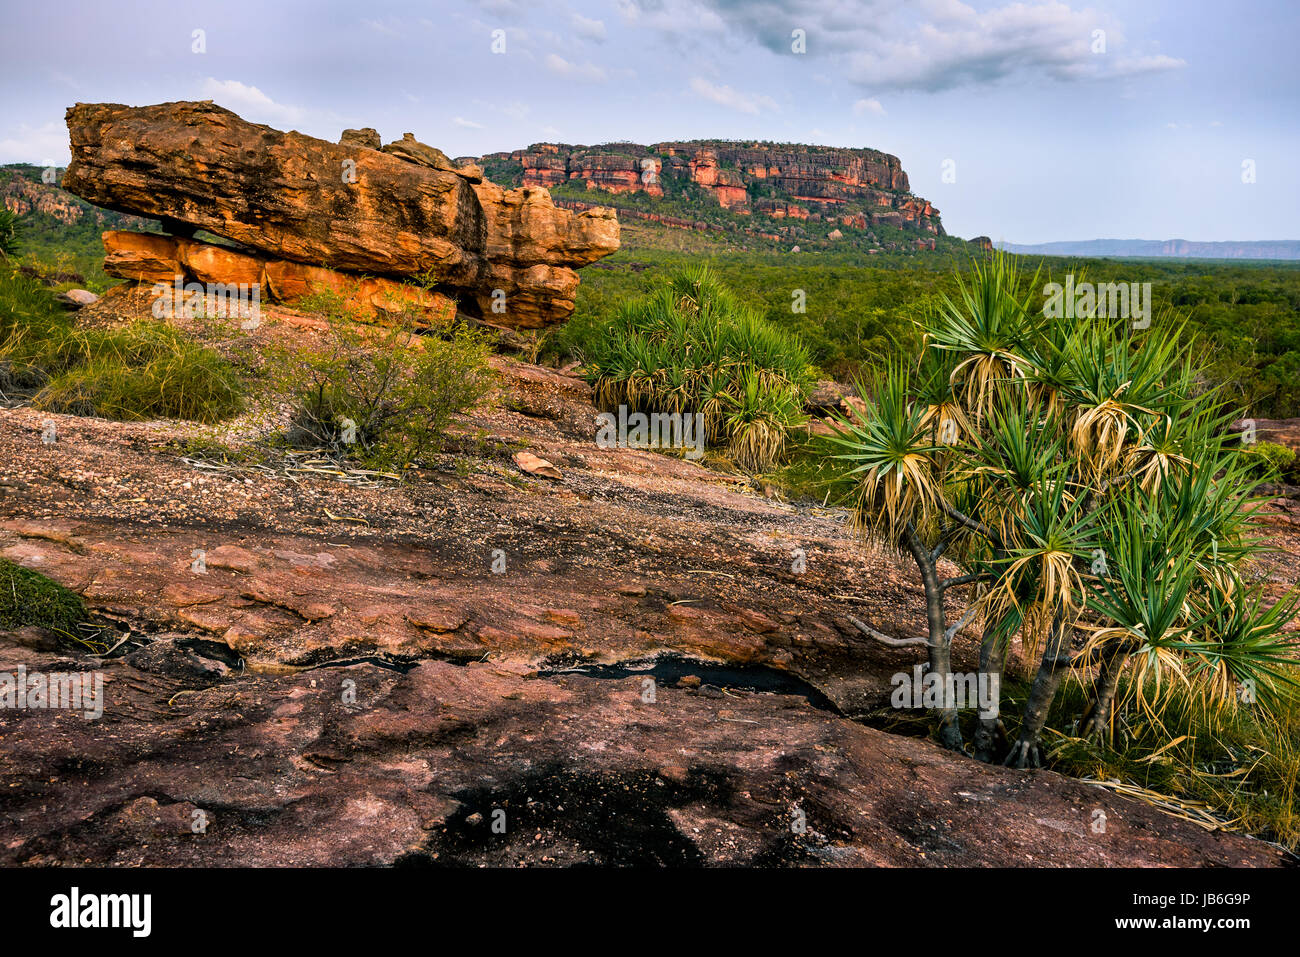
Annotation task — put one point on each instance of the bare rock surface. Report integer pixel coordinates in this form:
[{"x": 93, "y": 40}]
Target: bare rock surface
[{"x": 623, "y": 662}]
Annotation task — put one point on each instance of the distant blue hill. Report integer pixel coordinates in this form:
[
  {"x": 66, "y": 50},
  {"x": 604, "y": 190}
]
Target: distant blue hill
[{"x": 1144, "y": 248}]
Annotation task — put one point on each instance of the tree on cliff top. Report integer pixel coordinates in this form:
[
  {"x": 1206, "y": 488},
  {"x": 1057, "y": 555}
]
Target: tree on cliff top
[{"x": 1084, "y": 483}]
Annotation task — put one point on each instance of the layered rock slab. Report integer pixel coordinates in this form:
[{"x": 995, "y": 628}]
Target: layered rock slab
[
  {"x": 458, "y": 702},
  {"x": 169, "y": 261}
]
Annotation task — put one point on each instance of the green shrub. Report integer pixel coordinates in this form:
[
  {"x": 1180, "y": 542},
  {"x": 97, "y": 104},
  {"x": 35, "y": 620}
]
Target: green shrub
[
  {"x": 27, "y": 598},
  {"x": 692, "y": 347},
  {"x": 10, "y": 228},
  {"x": 382, "y": 395},
  {"x": 1269, "y": 460}
]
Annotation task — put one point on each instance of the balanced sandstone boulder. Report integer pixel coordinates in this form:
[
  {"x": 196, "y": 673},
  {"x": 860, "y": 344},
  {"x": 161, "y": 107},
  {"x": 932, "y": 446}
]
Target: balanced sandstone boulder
[{"x": 510, "y": 255}]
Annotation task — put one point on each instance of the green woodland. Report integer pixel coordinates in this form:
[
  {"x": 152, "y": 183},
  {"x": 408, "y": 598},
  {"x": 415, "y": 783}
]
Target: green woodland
[{"x": 860, "y": 311}]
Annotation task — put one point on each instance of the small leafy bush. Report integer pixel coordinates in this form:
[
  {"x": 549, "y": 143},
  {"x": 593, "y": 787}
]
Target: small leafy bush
[
  {"x": 1270, "y": 460},
  {"x": 382, "y": 395}
]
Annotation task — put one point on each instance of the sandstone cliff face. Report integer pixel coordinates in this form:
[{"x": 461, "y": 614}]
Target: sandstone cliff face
[
  {"x": 23, "y": 197},
  {"x": 403, "y": 210},
  {"x": 855, "y": 188},
  {"x": 24, "y": 192}
]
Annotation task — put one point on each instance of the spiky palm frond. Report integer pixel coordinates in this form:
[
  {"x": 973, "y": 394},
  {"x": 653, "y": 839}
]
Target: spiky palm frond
[
  {"x": 691, "y": 346},
  {"x": 892, "y": 458},
  {"x": 986, "y": 328},
  {"x": 935, "y": 392},
  {"x": 1051, "y": 375},
  {"x": 760, "y": 418},
  {"x": 1037, "y": 569},
  {"x": 1115, "y": 384},
  {"x": 1241, "y": 652},
  {"x": 1017, "y": 448}
]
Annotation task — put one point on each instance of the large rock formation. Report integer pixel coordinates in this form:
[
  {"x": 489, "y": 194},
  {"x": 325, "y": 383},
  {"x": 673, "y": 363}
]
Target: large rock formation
[
  {"x": 400, "y": 211},
  {"x": 851, "y": 187}
]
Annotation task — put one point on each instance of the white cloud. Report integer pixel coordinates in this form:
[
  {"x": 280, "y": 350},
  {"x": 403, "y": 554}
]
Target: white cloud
[
  {"x": 387, "y": 29},
  {"x": 871, "y": 106},
  {"x": 591, "y": 29},
  {"x": 467, "y": 124},
  {"x": 732, "y": 99},
  {"x": 42, "y": 145},
  {"x": 1130, "y": 66},
  {"x": 249, "y": 102},
  {"x": 686, "y": 19},
  {"x": 587, "y": 72}
]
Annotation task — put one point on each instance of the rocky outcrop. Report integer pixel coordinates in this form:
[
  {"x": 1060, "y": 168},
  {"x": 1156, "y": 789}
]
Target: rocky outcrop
[
  {"x": 780, "y": 209},
  {"x": 853, "y": 187},
  {"x": 25, "y": 193},
  {"x": 726, "y": 185},
  {"x": 23, "y": 197},
  {"x": 400, "y": 211}
]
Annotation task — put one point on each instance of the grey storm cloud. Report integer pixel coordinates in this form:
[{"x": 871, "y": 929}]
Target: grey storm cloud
[{"x": 932, "y": 45}]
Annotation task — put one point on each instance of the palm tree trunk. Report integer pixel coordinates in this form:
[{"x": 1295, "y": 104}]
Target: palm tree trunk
[
  {"x": 989, "y": 730},
  {"x": 1056, "y": 658},
  {"x": 940, "y": 647},
  {"x": 1096, "y": 717}
]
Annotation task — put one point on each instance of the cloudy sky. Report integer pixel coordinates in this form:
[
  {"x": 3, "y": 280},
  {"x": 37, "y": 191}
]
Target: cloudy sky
[{"x": 1054, "y": 120}]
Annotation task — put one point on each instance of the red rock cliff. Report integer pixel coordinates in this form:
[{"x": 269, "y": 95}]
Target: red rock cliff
[{"x": 851, "y": 187}]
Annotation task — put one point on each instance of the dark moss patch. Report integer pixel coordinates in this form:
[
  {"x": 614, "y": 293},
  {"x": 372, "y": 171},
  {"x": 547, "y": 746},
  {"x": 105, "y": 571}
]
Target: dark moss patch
[{"x": 28, "y": 598}]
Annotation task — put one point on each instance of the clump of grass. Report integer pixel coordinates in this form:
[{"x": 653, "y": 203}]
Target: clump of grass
[
  {"x": 812, "y": 473},
  {"x": 1241, "y": 761},
  {"x": 145, "y": 370},
  {"x": 382, "y": 396},
  {"x": 692, "y": 347},
  {"x": 29, "y": 598}
]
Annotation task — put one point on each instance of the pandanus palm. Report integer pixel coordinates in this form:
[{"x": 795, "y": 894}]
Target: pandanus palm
[
  {"x": 897, "y": 503},
  {"x": 1079, "y": 473}
]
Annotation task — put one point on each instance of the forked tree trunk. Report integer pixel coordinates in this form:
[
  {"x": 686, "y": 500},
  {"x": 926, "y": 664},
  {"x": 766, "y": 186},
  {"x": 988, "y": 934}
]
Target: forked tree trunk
[
  {"x": 1101, "y": 703},
  {"x": 940, "y": 648},
  {"x": 1056, "y": 658}
]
